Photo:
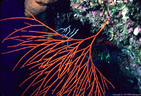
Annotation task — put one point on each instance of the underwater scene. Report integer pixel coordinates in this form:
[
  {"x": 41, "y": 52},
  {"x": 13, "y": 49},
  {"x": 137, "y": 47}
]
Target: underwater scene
[{"x": 70, "y": 48}]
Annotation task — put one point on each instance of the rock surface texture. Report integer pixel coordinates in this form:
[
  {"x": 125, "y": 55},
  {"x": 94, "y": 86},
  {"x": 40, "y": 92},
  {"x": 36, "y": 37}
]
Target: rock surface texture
[{"x": 37, "y": 6}]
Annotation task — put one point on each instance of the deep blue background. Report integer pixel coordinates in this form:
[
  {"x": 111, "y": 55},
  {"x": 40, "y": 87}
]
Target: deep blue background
[{"x": 9, "y": 80}]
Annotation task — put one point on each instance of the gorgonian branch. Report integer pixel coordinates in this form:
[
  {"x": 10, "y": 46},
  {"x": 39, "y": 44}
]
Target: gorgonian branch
[{"x": 56, "y": 63}]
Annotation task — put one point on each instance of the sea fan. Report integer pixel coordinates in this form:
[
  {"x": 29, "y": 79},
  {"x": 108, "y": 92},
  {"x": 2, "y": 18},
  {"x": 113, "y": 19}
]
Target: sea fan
[{"x": 58, "y": 61}]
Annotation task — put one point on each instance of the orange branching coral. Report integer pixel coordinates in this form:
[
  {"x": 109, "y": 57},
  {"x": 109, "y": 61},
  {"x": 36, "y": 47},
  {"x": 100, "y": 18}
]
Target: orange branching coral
[{"x": 64, "y": 69}]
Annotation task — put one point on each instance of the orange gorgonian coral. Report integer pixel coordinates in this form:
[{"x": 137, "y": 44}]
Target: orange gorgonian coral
[{"x": 68, "y": 69}]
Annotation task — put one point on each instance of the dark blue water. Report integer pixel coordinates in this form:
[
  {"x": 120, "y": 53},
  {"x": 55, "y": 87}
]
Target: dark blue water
[{"x": 9, "y": 80}]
